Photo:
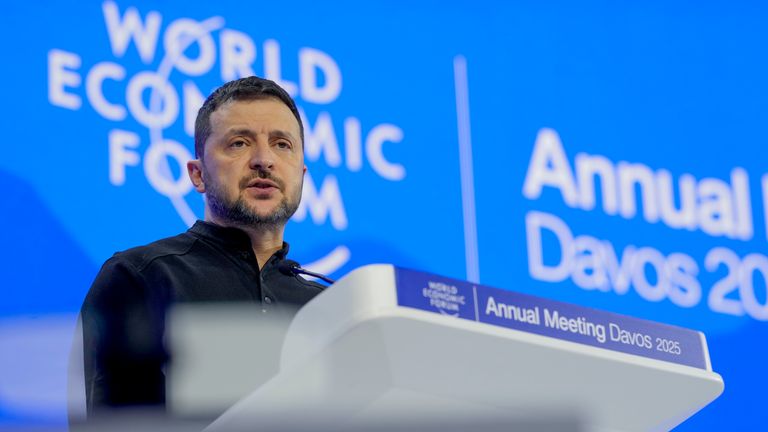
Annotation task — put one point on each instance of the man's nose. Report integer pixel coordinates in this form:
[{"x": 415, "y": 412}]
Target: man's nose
[{"x": 262, "y": 157}]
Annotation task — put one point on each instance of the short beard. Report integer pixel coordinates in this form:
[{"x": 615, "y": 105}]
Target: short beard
[{"x": 237, "y": 212}]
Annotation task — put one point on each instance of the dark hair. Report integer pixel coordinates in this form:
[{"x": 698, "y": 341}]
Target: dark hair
[{"x": 250, "y": 88}]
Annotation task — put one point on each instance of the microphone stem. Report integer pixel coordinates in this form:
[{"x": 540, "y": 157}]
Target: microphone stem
[{"x": 313, "y": 274}]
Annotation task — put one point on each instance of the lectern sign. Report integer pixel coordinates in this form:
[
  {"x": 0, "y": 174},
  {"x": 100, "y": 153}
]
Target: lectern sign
[{"x": 546, "y": 317}]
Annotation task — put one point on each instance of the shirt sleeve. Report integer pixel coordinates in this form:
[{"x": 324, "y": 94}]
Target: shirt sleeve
[{"x": 122, "y": 340}]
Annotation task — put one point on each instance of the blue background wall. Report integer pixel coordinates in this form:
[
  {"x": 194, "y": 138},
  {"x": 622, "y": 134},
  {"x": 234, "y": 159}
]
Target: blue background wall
[{"x": 673, "y": 92}]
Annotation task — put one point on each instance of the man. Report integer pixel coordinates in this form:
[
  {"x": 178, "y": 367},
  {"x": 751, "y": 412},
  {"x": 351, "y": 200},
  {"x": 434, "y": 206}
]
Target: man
[{"x": 250, "y": 167}]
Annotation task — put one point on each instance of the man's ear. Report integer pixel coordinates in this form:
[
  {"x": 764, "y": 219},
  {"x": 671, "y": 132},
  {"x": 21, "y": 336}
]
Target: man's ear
[{"x": 195, "y": 171}]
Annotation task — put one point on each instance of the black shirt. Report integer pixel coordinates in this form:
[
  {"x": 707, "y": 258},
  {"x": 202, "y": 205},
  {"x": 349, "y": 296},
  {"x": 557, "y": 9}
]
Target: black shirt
[{"x": 124, "y": 313}]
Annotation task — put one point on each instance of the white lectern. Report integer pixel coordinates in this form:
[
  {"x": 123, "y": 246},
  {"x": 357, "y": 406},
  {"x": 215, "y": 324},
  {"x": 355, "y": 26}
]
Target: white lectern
[{"x": 389, "y": 343}]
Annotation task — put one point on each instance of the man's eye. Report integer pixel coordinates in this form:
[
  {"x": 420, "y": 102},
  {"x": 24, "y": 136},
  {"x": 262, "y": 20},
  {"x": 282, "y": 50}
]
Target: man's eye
[
  {"x": 283, "y": 144},
  {"x": 238, "y": 143}
]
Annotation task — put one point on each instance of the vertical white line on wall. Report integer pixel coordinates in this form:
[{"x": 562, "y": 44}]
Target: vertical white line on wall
[
  {"x": 765, "y": 203},
  {"x": 465, "y": 169}
]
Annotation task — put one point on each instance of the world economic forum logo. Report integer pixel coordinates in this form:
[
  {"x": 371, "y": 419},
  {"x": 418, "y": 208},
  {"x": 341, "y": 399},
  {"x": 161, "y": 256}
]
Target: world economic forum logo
[
  {"x": 444, "y": 297},
  {"x": 173, "y": 60}
]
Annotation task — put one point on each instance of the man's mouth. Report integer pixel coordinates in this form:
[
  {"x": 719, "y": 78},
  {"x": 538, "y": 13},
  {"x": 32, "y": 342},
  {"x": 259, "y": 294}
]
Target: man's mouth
[{"x": 263, "y": 184}]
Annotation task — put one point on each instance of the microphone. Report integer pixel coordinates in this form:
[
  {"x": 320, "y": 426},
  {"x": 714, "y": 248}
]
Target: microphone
[{"x": 292, "y": 268}]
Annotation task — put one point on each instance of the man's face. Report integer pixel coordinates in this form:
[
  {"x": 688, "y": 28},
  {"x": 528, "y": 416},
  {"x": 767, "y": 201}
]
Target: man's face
[{"x": 253, "y": 165}]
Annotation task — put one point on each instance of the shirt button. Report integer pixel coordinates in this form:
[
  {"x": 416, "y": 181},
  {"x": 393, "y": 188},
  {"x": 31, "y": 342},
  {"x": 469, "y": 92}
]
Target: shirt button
[{"x": 267, "y": 300}]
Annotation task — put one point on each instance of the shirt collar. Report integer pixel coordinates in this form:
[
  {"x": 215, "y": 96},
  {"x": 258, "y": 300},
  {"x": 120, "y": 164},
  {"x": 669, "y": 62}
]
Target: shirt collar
[{"x": 229, "y": 237}]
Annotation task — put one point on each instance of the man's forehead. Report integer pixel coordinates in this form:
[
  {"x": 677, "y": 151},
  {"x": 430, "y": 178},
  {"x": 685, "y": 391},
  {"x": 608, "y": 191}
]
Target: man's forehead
[
  {"x": 260, "y": 115},
  {"x": 262, "y": 108}
]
